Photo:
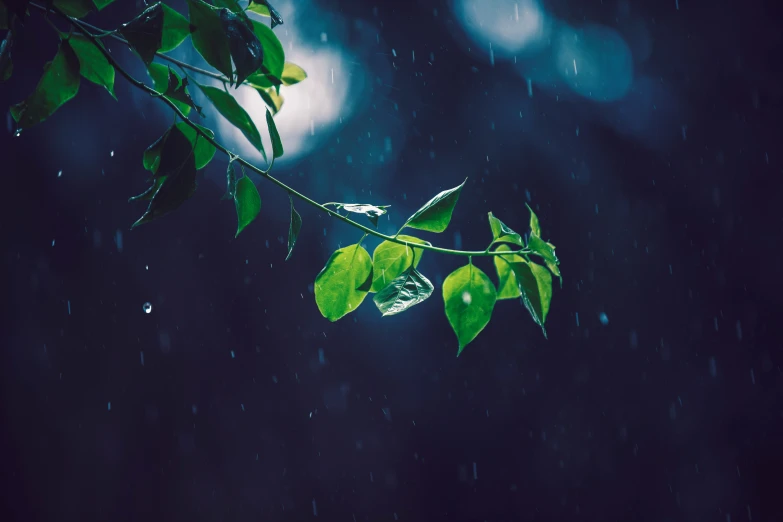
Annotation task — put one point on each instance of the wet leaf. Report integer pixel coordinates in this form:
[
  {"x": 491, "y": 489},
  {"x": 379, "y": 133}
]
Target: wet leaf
[
  {"x": 342, "y": 284},
  {"x": 274, "y": 55},
  {"x": 75, "y": 8},
  {"x": 247, "y": 201},
  {"x": 175, "y": 29},
  {"x": 409, "y": 289},
  {"x": 469, "y": 297},
  {"x": 293, "y": 228},
  {"x": 93, "y": 65},
  {"x": 391, "y": 259},
  {"x": 208, "y": 37},
  {"x": 371, "y": 211},
  {"x": 177, "y": 166},
  {"x": 277, "y": 145},
  {"x": 231, "y": 181},
  {"x": 435, "y": 215},
  {"x": 546, "y": 251},
  {"x": 58, "y": 84},
  {"x": 264, "y": 8},
  {"x": 502, "y": 234},
  {"x": 231, "y": 5},
  {"x": 535, "y": 284},
  {"x": 243, "y": 44},
  {"x": 228, "y": 107},
  {"x": 508, "y": 288},
  {"x": 145, "y": 32}
]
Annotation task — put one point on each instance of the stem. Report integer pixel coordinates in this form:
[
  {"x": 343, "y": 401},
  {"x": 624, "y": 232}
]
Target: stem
[{"x": 82, "y": 27}]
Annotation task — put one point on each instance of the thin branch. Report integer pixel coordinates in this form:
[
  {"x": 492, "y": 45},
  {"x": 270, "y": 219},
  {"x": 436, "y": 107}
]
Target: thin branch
[{"x": 82, "y": 27}]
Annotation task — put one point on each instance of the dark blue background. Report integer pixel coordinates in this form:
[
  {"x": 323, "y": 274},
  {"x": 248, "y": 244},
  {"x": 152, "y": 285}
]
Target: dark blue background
[{"x": 677, "y": 241}]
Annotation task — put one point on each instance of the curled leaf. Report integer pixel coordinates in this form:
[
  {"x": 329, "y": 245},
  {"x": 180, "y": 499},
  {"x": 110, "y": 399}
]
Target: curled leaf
[
  {"x": 277, "y": 144},
  {"x": 263, "y": 8},
  {"x": 535, "y": 284},
  {"x": 168, "y": 83},
  {"x": 272, "y": 99},
  {"x": 293, "y": 228},
  {"x": 435, "y": 215},
  {"x": 58, "y": 84},
  {"x": 409, "y": 289},
  {"x": 342, "y": 284},
  {"x": 502, "y": 234},
  {"x": 371, "y": 211},
  {"x": 231, "y": 181}
]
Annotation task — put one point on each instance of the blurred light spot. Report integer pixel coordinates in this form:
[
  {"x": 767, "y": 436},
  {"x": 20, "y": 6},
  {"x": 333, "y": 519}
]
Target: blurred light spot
[{"x": 504, "y": 26}]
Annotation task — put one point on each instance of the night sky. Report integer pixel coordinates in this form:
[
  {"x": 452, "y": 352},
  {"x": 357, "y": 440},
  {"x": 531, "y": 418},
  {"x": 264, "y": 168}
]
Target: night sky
[{"x": 657, "y": 396}]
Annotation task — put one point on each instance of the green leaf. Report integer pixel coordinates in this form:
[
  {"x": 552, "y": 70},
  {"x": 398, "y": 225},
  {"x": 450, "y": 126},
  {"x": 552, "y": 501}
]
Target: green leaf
[
  {"x": 343, "y": 283},
  {"x": 145, "y": 32},
  {"x": 208, "y": 37},
  {"x": 293, "y": 228},
  {"x": 168, "y": 84},
  {"x": 228, "y": 107},
  {"x": 231, "y": 5},
  {"x": 277, "y": 145},
  {"x": 292, "y": 74},
  {"x": 243, "y": 44},
  {"x": 409, "y": 289},
  {"x": 58, "y": 84},
  {"x": 6, "y": 69},
  {"x": 263, "y": 8},
  {"x": 469, "y": 298},
  {"x": 371, "y": 211},
  {"x": 273, "y": 100},
  {"x": 435, "y": 215},
  {"x": 93, "y": 64},
  {"x": 535, "y": 226},
  {"x": 177, "y": 166},
  {"x": 74, "y": 8},
  {"x": 203, "y": 150},
  {"x": 100, "y": 4},
  {"x": 546, "y": 251},
  {"x": 175, "y": 29},
  {"x": 391, "y": 259},
  {"x": 502, "y": 234},
  {"x": 231, "y": 181},
  {"x": 150, "y": 192},
  {"x": 248, "y": 203},
  {"x": 274, "y": 55},
  {"x": 535, "y": 284},
  {"x": 508, "y": 288}
]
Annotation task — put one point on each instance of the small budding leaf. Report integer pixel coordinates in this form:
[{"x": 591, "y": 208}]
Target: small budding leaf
[
  {"x": 293, "y": 228},
  {"x": 58, "y": 84},
  {"x": 93, "y": 65},
  {"x": 263, "y": 8},
  {"x": 435, "y": 215},
  {"x": 248, "y": 203},
  {"x": 502, "y": 234},
  {"x": 208, "y": 37},
  {"x": 343, "y": 283},
  {"x": 277, "y": 144},
  {"x": 175, "y": 177},
  {"x": 535, "y": 226},
  {"x": 508, "y": 288},
  {"x": 391, "y": 259},
  {"x": 371, "y": 211},
  {"x": 535, "y": 284},
  {"x": 243, "y": 44},
  {"x": 409, "y": 289},
  {"x": 145, "y": 32},
  {"x": 175, "y": 29},
  {"x": 230, "y": 109},
  {"x": 469, "y": 297}
]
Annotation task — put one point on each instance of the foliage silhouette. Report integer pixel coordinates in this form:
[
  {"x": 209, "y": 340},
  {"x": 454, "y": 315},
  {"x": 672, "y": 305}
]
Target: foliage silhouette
[{"x": 246, "y": 53}]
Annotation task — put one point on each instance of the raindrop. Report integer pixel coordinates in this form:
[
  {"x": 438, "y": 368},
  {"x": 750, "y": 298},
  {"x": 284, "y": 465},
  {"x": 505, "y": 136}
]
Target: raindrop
[
  {"x": 603, "y": 318},
  {"x": 147, "y": 307},
  {"x": 60, "y": 174}
]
